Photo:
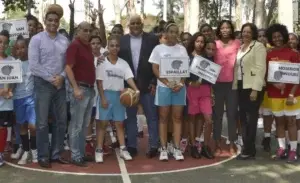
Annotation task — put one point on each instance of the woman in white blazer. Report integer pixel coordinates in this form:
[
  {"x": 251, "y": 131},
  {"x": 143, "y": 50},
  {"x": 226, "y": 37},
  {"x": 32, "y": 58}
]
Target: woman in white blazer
[{"x": 249, "y": 78}]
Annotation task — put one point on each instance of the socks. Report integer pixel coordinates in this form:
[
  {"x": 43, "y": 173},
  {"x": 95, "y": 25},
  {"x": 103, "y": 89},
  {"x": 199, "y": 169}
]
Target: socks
[
  {"x": 293, "y": 145},
  {"x": 88, "y": 138},
  {"x": 267, "y": 135},
  {"x": 8, "y": 138},
  {"x": 3, "y": 136},
  {"x": 25, "y": 142},
  {"x": 33, "y": 142},
  {"x": 282, "y": 143}
]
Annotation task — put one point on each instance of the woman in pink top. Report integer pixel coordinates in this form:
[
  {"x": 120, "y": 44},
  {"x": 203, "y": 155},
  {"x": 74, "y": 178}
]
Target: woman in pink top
[{"x": 227, "y": 48}]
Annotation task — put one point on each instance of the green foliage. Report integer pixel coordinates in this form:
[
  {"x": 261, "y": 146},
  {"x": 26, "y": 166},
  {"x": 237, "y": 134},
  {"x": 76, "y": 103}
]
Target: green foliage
[
  {"x": 15, "y": 14},
  {"x": 17, "y": 4},
  {"x": 174, "y": 7}
]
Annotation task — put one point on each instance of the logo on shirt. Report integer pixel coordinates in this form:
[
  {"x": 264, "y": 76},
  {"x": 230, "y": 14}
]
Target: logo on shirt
[
  {"x": 176, "y": 64},
  {"x": 110, "y": 73}
]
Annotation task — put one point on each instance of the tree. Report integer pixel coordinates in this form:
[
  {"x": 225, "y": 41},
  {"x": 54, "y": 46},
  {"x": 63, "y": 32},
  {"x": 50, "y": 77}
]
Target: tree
[
  {"x": 24, "y": 5},
  {"x": 186, "y": 9},
  {"x": 130, "y": 6},
  {"x": 64, "y": 24},
  {"x": 15, "y": 14},
  {"x": 117, "y": 10},
  {"x": 238, "y": 14},
  {"x": 174, "y": 7},
  {"x": 260, "y": 14},
  {"x": 194, "y": 16}
]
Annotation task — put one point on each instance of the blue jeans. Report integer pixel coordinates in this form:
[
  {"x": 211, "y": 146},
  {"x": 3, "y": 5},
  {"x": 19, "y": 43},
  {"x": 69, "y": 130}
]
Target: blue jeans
[
  {"x": 47, "y": 95},
  {"x": 81, "y": 111},
  {"x": 150, "y": 110}
]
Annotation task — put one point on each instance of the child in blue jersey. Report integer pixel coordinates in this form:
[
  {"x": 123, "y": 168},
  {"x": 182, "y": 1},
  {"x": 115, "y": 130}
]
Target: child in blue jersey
[
  {"x": 24, "y": 105},
  {"x": 6, "y": 103}
]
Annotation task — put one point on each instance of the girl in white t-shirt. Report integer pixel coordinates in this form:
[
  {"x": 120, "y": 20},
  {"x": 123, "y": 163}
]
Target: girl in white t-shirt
[
  {"x": 110, "y": 77},
  {"x": 170, "y": 93}
]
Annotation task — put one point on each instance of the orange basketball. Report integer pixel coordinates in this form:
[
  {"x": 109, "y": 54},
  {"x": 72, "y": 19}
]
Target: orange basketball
[{"x": 128, "y": 97}]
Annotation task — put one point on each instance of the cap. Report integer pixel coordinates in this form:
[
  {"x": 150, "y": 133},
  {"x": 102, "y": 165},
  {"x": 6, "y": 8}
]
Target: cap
[{"x": 55, "y": 8}]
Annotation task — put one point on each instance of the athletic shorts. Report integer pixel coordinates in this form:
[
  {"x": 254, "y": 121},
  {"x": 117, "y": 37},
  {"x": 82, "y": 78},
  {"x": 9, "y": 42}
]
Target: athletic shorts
[
  {"x": 25, "y": 110},
  {"x": 164, "y": 96}
]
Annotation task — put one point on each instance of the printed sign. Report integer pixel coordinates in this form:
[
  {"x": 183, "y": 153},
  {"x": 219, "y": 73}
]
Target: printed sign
[
  {"x": 10, "y": 72},
  {"x": 283, "y": 72},
  {"x": 205, "y": 69},
  {"x": 174, "y": 67},
  {"x": 15, "y": 28}
]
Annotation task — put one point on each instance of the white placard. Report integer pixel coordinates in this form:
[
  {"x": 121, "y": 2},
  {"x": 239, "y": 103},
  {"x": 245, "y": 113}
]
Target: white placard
[
  {"x": 205, "y": 69},
  {"x": 15, "y": 28},
  {"x": 10, "y": 72},
  {"x": 283, "y": 72},
  {"x": 171, "y": 67}
]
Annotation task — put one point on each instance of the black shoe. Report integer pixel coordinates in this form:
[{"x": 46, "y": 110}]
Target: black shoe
[
  {"x": 79, "y": 162},
  {"x": 88, "y": 158},
  {"x": 194, "y": 152},
  {"x": 266, "y": 143},
  {"x": 44, "y": 163},
  {"x": 206, "y": 152},
  {"x": 245, "y": 157},
  {"x": 141, "y": 134},
  {"x": 298, "y": 150},
  {"x": 60, "y": 160},
  {"x": 132, "y": 151},
  {"x": 152, "y": 153}
]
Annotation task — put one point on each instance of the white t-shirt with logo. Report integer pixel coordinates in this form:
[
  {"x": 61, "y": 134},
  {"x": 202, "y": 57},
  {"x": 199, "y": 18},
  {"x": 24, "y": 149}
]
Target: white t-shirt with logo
[
  {"x": 113, "y": 75},
  {"x": 164, "y": 51}
]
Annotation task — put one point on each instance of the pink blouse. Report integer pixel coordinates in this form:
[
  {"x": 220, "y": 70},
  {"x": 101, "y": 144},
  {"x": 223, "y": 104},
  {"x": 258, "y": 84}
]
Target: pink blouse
[{"x": 225, "y": 57}]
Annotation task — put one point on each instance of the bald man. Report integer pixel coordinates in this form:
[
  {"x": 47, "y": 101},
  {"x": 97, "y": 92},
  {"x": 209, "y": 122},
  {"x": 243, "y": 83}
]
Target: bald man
[
  {"x": 136, "y": 48},
  {"x": 80, "y": 70}
]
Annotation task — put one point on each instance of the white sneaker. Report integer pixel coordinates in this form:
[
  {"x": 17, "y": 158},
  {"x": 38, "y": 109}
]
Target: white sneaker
[
  {"x": 34, "y": 156},
  {"x": 125, "y": 154},
  {"x": 240, "y": 140},
  {"x": 227, "y": 142},
  {"x": 24, "y": 159},
  {"x": 18, "y": 154},
  {"x": 99, "y": 156},
  {"x": 170, "y": 148},
  {"x": 163, "y": 155},
  {"x": 178, "y": 155}
]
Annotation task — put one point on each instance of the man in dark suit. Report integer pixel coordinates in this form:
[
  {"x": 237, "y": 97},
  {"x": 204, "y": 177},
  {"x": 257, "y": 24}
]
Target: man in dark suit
[{"x": 136, "y": 48}]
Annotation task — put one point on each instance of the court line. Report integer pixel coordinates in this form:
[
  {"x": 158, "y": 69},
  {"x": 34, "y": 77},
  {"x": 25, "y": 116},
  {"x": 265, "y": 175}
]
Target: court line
[
  {"x": 128, "y": 174},
  {"x": 123, "y": 169}
]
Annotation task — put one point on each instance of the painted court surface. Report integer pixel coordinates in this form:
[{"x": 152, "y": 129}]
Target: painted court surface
[{"x": 142, "y": 170}]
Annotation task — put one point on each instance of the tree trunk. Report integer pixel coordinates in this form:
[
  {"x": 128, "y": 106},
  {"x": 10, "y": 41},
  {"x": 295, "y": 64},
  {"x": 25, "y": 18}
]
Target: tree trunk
[
  {"x": 186, "y": 15},
  {"x": 29, "y": 5},
  {"x": 117, "y": 10},
  {"x": 143, "y": 9},
  {"x": 131, "y": 8},
  {"x": 238, "y": 14},
  {"x": 230, "y": 10},
  {"x": 273, "y": 6},
  {"x": 260, "y": 14},
  {"x": 194, "y": 16}
]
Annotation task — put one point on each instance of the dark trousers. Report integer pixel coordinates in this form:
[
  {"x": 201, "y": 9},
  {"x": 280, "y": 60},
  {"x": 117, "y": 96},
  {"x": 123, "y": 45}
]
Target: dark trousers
[{"x": 249, "y": 113}]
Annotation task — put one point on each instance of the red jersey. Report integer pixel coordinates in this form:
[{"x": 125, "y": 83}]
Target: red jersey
[{"x": 282, "y": 55}]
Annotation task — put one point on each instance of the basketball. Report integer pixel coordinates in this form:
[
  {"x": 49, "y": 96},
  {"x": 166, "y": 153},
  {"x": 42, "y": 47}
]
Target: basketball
[{"x": 128, "y": 97}]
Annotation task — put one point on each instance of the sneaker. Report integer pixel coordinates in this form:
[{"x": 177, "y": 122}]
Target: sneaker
[
  {"x": 125, "y": 154},
  {"x": 199, "y": 146},
  {"x": 24, "y": 159},
  {"x": 18, "y": 154},
  {"x": 227, "y": 142},
  {"x": 183, "y": 145},
  {"x": 1, "y": 160},
  {"x": 280, "y": 153},
  {"x": 170, "y": 148},
  {"x": 163, "y": 155},
  {"x": 206, "y": 152},
  {"x": 239, "y": 141},
  {"x": 99, "y": 156},
  {"x": 292, "y": 157},
  {"x": 178, "y": 154},
  {"x": 34, "y": 156},
  {"x": 194, "y": 152}
]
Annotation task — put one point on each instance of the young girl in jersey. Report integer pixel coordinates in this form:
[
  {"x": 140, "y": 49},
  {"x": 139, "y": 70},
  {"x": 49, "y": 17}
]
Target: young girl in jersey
[
  {"x": 265, "y": 108},
  {"x": 170, "y": 93},
  {"x": 110, "y": 80},
  {"x": 294, "y": 44},
  {"x": 6, "y": 103},
  {"x": 283, "y": 97},
  {"x": 24, "y": 105},
  {"x": 200, "y": 101}
]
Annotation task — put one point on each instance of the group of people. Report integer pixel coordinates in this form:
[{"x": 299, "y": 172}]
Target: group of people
[{"x": 72, "y": 82}]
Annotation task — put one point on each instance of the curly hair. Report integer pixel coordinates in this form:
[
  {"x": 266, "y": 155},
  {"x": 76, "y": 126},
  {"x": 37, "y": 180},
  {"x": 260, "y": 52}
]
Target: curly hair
[
  {"x": 218, "y": 31},
  {"x": 191, "y": 43},
  {"x": 282, "y": 29}
]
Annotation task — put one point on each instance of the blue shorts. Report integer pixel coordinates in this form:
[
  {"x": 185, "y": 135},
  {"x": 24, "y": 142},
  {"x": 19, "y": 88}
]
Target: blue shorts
[
  {"x": 166, "y": 97},
  {"x": 25, "y": 110},
  {"x": 115, "y": 110}
]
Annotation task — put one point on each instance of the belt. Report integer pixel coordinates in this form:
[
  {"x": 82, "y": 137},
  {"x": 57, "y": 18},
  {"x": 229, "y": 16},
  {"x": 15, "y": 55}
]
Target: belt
[{"x": 85, "y": 85}]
